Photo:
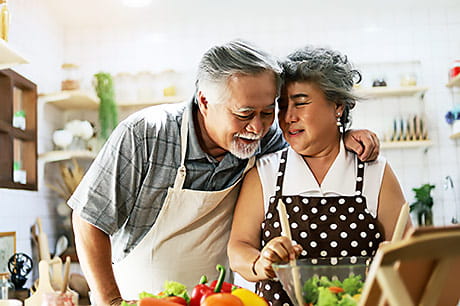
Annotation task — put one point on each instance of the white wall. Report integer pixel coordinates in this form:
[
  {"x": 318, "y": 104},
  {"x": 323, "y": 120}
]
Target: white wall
[
  {"x": 35, "y": 34},
  {"x": 174, "y": 35}
]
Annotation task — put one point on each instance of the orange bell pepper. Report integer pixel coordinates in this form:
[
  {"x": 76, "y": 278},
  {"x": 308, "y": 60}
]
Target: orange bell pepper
[
  {"x": 222, "y": 299},
  {"x": 151, "y": 301}
]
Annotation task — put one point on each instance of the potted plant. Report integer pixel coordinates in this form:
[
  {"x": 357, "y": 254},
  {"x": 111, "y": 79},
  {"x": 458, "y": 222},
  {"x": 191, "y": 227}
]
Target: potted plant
[
  {"x": 108, "y": 114},
  {"x": 423, "y": 204}
]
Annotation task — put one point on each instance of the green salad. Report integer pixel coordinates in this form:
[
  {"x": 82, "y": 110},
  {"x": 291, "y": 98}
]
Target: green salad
[{"x": 320, "y": 291}]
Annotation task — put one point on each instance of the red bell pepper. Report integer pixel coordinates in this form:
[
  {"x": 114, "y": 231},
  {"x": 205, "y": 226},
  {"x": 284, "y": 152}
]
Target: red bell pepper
[
  {"x": 226, "y": 287},
  {"x": 200, "y": 290}
]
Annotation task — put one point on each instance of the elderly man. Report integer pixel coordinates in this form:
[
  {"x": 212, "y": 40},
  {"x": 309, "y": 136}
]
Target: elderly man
[{"x": 159, "y": 198}]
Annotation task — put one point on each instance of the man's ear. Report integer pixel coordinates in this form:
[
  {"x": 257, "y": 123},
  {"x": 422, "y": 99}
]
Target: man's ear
[{"x": 202, "y": 103}]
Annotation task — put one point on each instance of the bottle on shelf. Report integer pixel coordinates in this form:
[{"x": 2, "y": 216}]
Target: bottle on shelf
[{"x": 4, "y": 20}]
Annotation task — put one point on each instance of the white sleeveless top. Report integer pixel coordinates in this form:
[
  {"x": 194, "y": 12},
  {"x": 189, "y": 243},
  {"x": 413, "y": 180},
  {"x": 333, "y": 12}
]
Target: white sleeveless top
[{"x": 339, "y": 180}]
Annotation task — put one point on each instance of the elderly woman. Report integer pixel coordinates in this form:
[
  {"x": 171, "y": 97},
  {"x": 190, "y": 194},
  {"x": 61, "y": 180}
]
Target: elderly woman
[{"x": 337, "y": 205}]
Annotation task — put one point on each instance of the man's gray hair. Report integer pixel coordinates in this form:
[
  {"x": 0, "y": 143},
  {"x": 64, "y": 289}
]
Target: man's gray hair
[
  {"x": 328, "y": 69},
  {"x": 236, "y": 57}
]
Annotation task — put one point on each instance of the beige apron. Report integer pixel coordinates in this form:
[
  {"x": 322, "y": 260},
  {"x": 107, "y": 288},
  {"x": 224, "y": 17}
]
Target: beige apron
[{"x": 188, "y": 239}]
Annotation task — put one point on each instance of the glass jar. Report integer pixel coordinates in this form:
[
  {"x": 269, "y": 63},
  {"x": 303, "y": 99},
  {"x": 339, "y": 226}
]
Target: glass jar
[
  {"x": 57, "y": 299},
  {"x": 5, "y": 286},
  {"x": 71, "y": 80}
]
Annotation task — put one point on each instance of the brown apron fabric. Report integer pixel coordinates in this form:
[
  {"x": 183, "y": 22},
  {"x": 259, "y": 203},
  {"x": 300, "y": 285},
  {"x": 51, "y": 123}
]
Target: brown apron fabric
[{"x": 335, "y": 226}]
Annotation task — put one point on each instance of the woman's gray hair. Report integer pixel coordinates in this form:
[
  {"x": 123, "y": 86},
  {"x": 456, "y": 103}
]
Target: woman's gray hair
[
  {"x": 328, "y": 69},
  {"x": 236, "y": 57}
]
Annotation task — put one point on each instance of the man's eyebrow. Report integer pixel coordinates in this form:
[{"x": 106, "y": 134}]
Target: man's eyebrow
[{"x": 251, "y": 109}]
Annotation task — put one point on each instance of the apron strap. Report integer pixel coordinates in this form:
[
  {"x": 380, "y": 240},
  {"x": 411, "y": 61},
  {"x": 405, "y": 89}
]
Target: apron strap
[
  {"x": 281, "y": 171},
  {"x": 359, "y": 177},
  {"x": 181, "y": 172}
]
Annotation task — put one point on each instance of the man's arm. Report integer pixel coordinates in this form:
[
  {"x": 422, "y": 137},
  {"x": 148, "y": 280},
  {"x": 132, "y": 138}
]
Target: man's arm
[
  {"x": 95, "y": 256},
  {"x": 364, "y": 143}
]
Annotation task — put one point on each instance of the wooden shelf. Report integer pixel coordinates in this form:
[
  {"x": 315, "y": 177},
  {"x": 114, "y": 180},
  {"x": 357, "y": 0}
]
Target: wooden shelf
[
  {"x": 164, "y": 100},
  {"x": 383, "y": 92},
  {"x": 455, "y": 136},
  {"x": 455, "y": 82},
  {"x": 72, "y": 99},
  {"x": 406, "y": 144},
  {"x": 9, "y": 57},
  {"x": 54, "y": 156}
]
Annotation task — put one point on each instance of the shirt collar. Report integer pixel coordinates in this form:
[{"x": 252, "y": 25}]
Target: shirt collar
[{"x": 340, "y": 179}]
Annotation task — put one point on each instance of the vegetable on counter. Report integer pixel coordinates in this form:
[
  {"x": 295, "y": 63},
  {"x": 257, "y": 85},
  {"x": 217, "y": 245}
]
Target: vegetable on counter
[
  {"x": 249, "y": 298},
  {"x": 222, "y": 299},
  {"x": 325, "y": 292},
  {"x": 151, "y": 301}
]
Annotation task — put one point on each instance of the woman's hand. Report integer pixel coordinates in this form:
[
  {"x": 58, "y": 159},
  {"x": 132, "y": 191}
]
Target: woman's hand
[{"x": 277, "y": 250}]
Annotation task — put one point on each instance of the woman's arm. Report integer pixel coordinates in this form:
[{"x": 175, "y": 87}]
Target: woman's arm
[
  {"x": 243, "y": 247},
  {"x": 391, "y": 199}
]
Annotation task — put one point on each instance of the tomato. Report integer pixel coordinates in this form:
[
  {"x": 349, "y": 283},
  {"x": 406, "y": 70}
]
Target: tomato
[
  {"x": 336, "y": 289},
  {"x": 150, "y": 301},
  {"x": 222, "y": 299}
]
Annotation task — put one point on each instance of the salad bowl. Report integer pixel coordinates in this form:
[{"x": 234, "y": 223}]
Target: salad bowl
[{"x": 324, "y": 281}]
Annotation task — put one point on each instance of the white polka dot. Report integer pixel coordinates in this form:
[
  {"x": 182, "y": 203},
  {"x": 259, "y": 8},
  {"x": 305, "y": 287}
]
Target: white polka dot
[
  {"x": 363, "y": 252},
  {"x": 314, "y": 210},
  {"x": 277, "y": 188},
  {"x": 276, "y": 296},
  {"x": 359, "y": 179},
  {"x": 377, "y": 235},
  {"x": 313, "y": 244},
  {"x": 323, "y": 218},
  {"x": 371, "y": 244},
  {"x": 323, "y": 201},
  {"x": 303, "y": 253},
  {"x": 267, "y": 233},
  {"x": 358, "y": 193},
  {"x": 341, "y": 201},
  {"x": 305, "y": 201},
  {"x": 313, "y": 226},
  {"x": 359, "y": 200},
  {"x": 267, "y": 287},
  {"x": 334, "y": 261},
  {"x": 371, "y": 226},
  {"x": 343, "y": 235},
  {"x": 296, "y": 209},
  {"x": 354, "y": 243},
  {"x": 363, "y": 235},
  {"x": 269, "y": 215},
  {"x": 304, "y": 217},
  {"x": 272, "y": 200},
  {"x": 351, "y": 209},
  {"x": 353, "y": 259},
  {"x": 294, "y": 242},
  {"x": 333, "y": 226},
  {"x": 323, "y": 235},
  {"x": 323, "y": 253},
  {"x": 263, "y": 243},
  {"x": 361, "y": 217},
  {"x": 366, "y": 211},
  {"x": 288, "y": 200},
  {"x": 303, "y": 235},
  {"x": 263, "y": 225},
  {"x": 261, "y": 294},
  {"x": 282, "y": 160},
  {"x": 280, "y": 173},
  {"x": 276, "y": 224},
  {"x": 285, "y": 304},
  {"x": 333, "y": 244},
  {"x": 332, "y": 209},
  {"x": 343, "y": 217},
  {"x": 294, "y": 225},
  {"x": 353, "y": 225},
  {"x": 360, "y": 166},
  {"x": 314, "y": 261},
  {"x": 344, "y": 253}
]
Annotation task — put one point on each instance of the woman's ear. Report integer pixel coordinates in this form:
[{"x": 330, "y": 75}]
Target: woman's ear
[{"x": 339, "y": 108}]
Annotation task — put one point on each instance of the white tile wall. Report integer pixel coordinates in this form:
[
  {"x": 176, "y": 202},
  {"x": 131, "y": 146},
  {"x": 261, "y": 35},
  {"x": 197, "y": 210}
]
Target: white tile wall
[{"x": 174, "y": 35}]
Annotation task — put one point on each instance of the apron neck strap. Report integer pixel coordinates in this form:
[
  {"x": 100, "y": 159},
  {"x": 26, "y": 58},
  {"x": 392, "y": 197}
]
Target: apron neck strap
[
  {"x": 359, "y": 177},
  {"x": 182, "y": 172},
  {"x": 281, "y": 170}
]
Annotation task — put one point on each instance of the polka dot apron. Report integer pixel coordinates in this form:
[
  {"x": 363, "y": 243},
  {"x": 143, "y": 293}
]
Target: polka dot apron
[{"x": 325, "y": 227}]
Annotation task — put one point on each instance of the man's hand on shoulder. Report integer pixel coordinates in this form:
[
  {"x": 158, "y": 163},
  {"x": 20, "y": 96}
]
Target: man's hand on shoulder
[{"x": 364, "y": 143}]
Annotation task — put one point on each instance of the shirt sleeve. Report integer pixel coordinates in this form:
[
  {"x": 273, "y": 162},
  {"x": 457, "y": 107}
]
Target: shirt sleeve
[{"x": 107, "y": 192}]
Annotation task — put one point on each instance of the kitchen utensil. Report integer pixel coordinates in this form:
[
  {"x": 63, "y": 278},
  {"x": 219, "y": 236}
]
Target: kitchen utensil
[
  {"x": 334, "y": 268},
  {"x": 43, "y": 247},
  {"x": 61, "y": 245},
  {"x": 286, "y": 231},
  {"x": 66, "y": 275},
  {"x": 44, "y": 285},
  {"x": 401, "y": 223}
]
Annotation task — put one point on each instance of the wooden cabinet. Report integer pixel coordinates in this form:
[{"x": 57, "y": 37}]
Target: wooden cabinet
[{"x": 18, "y": 153}]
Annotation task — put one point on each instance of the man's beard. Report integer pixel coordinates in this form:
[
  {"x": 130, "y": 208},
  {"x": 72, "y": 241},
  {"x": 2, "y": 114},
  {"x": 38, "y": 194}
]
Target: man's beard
[{"x": 242, "y": 150}]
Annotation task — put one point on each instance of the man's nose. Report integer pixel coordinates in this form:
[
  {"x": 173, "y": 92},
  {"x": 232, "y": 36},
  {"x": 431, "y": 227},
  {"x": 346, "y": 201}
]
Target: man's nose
[{"x": 255, "y": 126}]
